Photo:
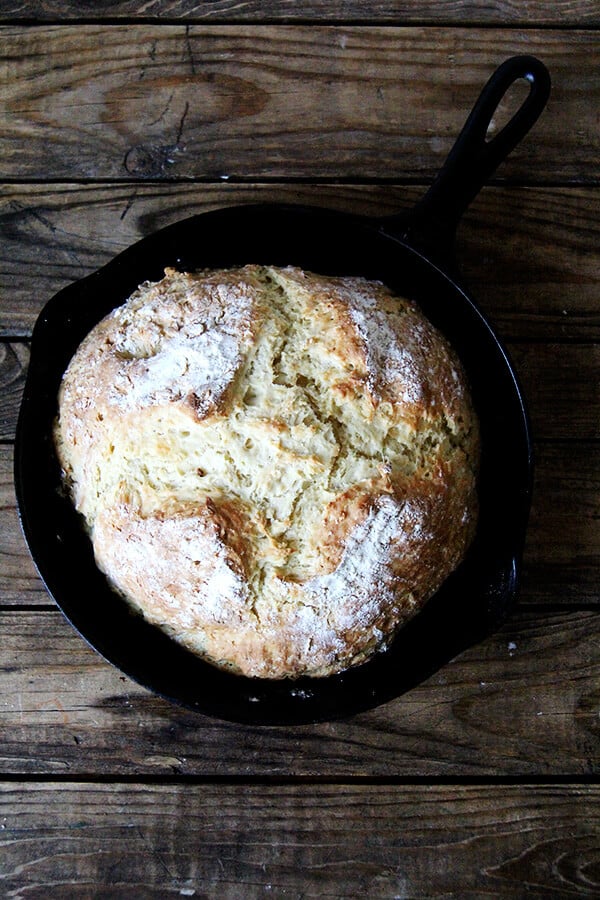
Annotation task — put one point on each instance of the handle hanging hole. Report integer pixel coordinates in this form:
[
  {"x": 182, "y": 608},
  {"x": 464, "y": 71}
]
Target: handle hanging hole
[{"x": 508, "y": 106}]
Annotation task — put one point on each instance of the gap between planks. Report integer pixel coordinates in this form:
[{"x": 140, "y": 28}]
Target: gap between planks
[{"x": 572, "y": 781}]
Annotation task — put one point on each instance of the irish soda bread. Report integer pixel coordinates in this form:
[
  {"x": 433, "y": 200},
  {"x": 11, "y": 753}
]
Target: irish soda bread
[{"x": 277, "y": 468}]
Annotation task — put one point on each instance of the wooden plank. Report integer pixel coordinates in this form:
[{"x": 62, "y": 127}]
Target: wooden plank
[
  {"x": 227, "y": 841},
  {"x": 562, "y": 385},
  {"x": 562, "y": 377},
  {"x": 531, "y": 259},
  {"x": 140, "y": 102},
  {"x": 497, "y": 709},
  {"x": 530, "y": 255},
  {"x": 562, "y": 553},
  {"x": 19, "y": 581},
  {"x": 14, "y": 359},
  {"x": 560, "y": 13}
]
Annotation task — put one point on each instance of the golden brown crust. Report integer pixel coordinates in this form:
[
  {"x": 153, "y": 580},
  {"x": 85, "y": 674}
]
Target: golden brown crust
[{"x": 276, "y": 467}]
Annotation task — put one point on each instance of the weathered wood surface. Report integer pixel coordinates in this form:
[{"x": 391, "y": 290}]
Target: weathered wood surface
[
  {"x": 302, "y": 841},
  {"x": 531, "y": 256},
  {"x": 562, "y": 385},
  {"x": 523, "y": 702},
  {"x": 562, "y": 562},
  {"x": 19, "y": 582},
  {"x": 111, "y": 130},
  {"x": 500, "y": 12},
  {"x": 14, "y": 359},
  {"x": 140, "y": 101}
]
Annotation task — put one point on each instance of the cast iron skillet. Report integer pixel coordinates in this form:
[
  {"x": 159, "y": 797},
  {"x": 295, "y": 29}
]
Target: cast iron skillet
[{"x": 412, "y": 253}]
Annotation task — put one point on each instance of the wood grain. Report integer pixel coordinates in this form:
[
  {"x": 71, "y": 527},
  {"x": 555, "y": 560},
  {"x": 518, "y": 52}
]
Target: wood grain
[
  {"x": 562, "y": 385},
  {"x": 139, "y": 102},
  {"x": 498, "y": 708},
  {"x": 149, "y": 113},
  {"x": 499, "y": 12},
  {"x": 19, "y": 581},
  {"x": 14, "y": 359},
  {"x": 324, "y": 841},
  {"x": 531, "y": 256},
  {"x": 531, "y": 259},
  {"x": 562, "y": 558}
]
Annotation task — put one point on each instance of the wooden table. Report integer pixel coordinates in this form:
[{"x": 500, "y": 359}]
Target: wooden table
[{"x": 121, "y": 116}]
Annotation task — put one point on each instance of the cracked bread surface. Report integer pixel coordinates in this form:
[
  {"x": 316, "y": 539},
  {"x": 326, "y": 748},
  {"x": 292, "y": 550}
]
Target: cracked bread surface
[{"x": 277, "y": 468}]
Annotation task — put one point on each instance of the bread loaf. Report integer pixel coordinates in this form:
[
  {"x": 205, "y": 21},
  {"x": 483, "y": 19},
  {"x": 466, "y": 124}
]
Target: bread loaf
[{"x": 275, "y": 467}]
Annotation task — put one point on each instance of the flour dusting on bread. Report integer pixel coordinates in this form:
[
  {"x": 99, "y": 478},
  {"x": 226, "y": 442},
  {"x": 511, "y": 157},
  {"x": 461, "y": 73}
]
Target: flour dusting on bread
[{"x": 277, "y": 468}]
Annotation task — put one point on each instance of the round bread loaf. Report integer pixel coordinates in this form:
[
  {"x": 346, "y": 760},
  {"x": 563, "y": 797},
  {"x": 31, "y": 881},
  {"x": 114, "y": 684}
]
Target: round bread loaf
[{"x": 275, "y": 467}]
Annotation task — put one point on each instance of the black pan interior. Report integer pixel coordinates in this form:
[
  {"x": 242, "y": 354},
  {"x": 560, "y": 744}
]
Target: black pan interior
[{"x": 471, "y": 604}]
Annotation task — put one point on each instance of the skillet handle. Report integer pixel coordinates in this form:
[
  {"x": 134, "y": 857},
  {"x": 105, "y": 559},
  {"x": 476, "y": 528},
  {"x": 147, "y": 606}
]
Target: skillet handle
[{"x": 432, "y": 223}]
